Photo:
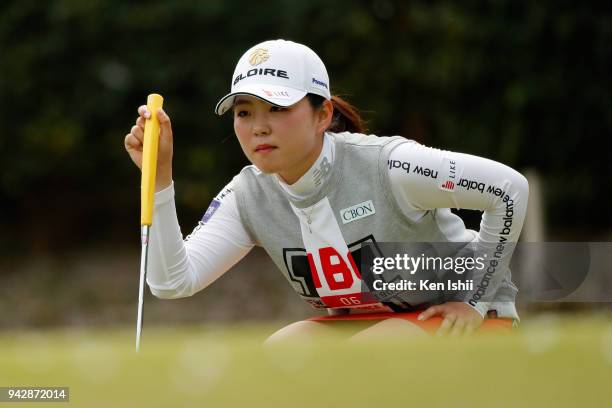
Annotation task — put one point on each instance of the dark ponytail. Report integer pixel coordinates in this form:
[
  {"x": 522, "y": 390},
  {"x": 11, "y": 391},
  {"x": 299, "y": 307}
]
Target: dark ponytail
[{"x": 346, "y": 117}]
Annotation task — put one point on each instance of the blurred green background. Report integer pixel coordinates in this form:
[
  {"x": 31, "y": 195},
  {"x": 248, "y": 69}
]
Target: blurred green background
[{"x": 524, "y": 83}]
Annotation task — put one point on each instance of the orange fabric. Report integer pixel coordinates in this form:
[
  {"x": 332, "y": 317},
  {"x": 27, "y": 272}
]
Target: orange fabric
[{"x": 430, "y": 325}]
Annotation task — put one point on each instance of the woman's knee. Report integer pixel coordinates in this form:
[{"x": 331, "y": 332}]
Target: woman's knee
[
  {"x": 299, "y": 331},
  {"x": 389, "y": 329}
]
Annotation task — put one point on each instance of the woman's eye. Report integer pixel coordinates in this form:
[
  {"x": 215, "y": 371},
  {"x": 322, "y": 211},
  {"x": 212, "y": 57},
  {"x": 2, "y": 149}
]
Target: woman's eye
[
  {"x": 277, "y": 109},
  {"x": 242, "y": 113}
]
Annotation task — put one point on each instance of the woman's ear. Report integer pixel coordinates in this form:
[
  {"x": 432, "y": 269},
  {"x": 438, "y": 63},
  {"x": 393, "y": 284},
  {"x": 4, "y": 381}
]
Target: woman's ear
[{"x": 325, "y": 115}]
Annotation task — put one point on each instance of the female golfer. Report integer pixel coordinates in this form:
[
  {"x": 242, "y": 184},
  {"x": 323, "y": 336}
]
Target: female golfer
[{"x": 318, "y": 190}]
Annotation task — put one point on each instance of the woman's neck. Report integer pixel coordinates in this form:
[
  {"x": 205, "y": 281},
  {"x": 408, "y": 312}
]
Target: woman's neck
[
  {"x": 293, "y": 175},
  {"x": 314, "y": 175}
]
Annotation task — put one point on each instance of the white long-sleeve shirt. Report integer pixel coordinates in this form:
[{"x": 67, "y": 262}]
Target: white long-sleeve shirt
[{"x": 180, "y": 268}]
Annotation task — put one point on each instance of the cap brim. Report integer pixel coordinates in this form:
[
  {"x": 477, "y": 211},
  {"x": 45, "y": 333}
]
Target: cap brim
[{"x": 273, "y": 94}]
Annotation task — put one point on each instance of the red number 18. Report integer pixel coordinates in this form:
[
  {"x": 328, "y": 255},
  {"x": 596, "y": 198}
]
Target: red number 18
[{"x": 333, "y": 264}]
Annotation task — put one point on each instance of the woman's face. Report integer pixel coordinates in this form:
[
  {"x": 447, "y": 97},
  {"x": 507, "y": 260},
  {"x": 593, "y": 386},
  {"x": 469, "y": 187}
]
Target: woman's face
[{"x": 279, "y": 140}]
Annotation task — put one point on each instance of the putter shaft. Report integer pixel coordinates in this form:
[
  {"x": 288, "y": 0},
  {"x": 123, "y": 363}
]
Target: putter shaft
[{"x": 144, "y": 234}]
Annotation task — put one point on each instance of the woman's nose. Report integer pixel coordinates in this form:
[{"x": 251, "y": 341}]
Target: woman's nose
[{"x": 261, "y": 128}]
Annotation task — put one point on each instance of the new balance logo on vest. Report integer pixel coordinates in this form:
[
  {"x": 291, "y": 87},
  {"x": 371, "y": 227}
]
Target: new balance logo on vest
[{"x": 357, "y": 212}]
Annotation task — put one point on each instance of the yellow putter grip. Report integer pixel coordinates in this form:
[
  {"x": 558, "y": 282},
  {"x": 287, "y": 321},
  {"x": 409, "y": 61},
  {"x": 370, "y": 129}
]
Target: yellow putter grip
[{"x": 149, "y": 159}]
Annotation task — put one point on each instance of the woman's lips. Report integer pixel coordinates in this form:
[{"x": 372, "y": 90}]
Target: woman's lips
[{"x": 264, "y": 148}]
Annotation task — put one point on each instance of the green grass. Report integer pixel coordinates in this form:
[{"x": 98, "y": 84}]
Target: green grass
[{"x": 550, "y": 361}]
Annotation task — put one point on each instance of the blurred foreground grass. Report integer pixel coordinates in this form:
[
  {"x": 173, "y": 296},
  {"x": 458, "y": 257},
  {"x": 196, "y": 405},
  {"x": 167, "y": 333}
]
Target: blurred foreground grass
[{"x": 551, "y": 361}]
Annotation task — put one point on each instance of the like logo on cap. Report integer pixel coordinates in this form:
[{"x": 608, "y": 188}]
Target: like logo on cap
[{"x": 279, "y": 72}]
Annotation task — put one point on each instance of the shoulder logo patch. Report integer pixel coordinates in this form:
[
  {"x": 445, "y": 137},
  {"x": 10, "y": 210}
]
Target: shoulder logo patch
[{"x": 214, "y": 205}]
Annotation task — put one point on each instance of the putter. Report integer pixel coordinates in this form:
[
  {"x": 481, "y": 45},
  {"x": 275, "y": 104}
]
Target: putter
[{"x": 147, "y": 191}]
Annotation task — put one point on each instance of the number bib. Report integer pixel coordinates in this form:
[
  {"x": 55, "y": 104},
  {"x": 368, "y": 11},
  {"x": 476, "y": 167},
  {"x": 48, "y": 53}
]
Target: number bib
[{"x": 335, "y": 274}]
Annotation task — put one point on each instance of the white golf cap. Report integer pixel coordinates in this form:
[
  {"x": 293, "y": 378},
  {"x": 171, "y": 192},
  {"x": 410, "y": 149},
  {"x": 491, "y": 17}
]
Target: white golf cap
[{"x": 279, "y": 72}]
